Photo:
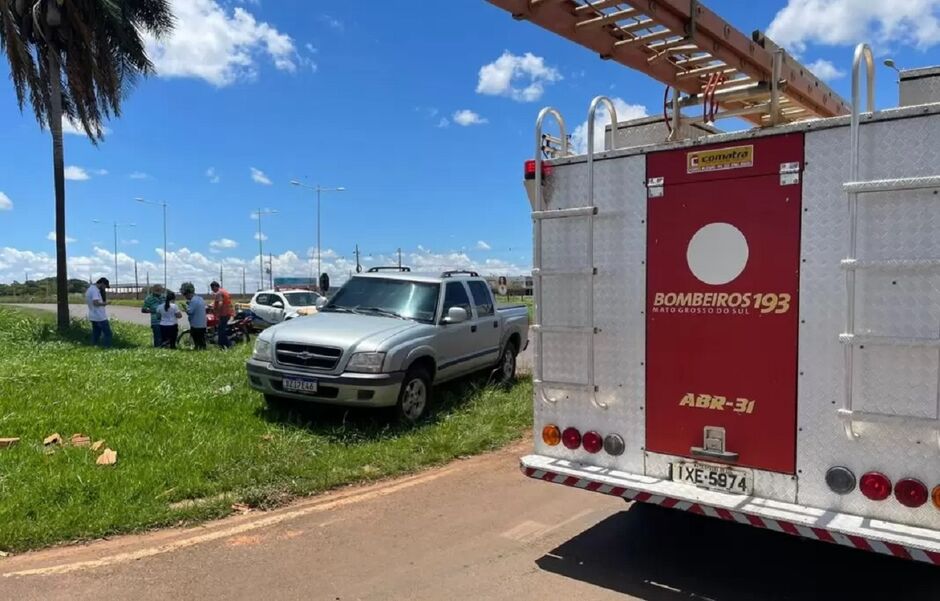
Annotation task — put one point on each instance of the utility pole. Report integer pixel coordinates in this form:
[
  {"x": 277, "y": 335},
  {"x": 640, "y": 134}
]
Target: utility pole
[
  {"x": 136, "y": 282},
  {"x": 243, "y": 279},
  {"x": 358, "y": 264},
  {"x": 221, "y": 277},
  {"x": 271, "y": 268},
  {"x": 148, "y": 280},
  {"x": 399, "y": 259}
]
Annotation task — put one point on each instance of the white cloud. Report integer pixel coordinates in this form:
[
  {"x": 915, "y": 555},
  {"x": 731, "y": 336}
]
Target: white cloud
[
  {"x": 444, "y": 122},
  {"x": 223, "y": 243},
  {"x": 825, "y": 69},
  {"x": 5, "y": 203},
  {"x": 100, "y": 171},
  {"x": 76, "y": 174},
  {"x": 221, "y": 47},
  {"x": 259, "y": 177},
  {"x": 845, "y": 22},
  {"x": 625, "y": 112},
  {"x": 131, "y": 242},
  {"x": 466, "y": 117},
  {"x": 333, "y": 22},
  {"x": 262, "y": 237},
  {"x": 214, "y": 177},
  {"x": 482, "y": 245},
  {"x": 68, "y": 240},
  {"x": 74, "y": 129},
  {"x": 522, "y": 78},
  {"x": 138, "y": 175}
]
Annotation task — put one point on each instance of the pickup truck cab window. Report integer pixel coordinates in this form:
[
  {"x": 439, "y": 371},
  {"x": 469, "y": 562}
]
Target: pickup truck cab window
[
  {"x": 455, "y": 295},
  {"x": 263, "y": 299},
  {"x": 482, "y": 298},
  {"x": 391, "y": 297},
  {"x": 302, "y": 299}
]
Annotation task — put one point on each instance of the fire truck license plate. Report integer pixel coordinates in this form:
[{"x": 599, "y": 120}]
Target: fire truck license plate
[
  {"x": 301, "y": 385},
  {"x": 725, "y": 479}
]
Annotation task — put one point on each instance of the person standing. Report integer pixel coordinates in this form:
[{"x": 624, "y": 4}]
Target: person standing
[
  {"x": 151, "y": 303},
  {"x": 224, "y": 311},
  {"x": 96, "y": 299},
  {"x": 169, "y": 316},
  {"x": 196, "y": 311}
]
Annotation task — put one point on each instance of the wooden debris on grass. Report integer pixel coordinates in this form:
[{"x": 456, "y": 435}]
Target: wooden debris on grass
[
  {"x": 97, "y": 445},
  {"x": 108, "y": 457},
  {"x": 80, "y": 440},
  {"x": 52, "y": 439},
  {"x": 241, "y": 508},
  {"x": 8, "y": 442}
]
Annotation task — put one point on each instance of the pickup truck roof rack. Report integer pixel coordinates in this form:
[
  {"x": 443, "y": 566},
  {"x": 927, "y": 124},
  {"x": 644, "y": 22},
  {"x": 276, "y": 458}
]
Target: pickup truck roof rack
[
  {"x": 388, "y": 268},
  {"x": 453, "y": 272}
]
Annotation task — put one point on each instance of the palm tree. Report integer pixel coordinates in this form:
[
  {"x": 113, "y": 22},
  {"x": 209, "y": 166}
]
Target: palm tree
[{"x": 97, "y": 46}]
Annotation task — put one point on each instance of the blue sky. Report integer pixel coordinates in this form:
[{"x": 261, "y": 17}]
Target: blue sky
[{"x": 409, "y": 111}]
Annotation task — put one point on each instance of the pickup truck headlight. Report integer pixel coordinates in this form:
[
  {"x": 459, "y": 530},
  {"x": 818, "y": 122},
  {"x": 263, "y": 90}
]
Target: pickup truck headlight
[
  {"x": 369, "y": 363},
  {"x": 262, "y": 351}
]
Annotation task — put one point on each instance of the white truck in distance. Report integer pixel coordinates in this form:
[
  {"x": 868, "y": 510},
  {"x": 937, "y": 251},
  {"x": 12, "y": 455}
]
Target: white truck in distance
[{"x": 386, "y": 338}]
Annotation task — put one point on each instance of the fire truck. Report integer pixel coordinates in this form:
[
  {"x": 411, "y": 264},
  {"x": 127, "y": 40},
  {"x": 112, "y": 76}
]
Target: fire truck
[{"x": 741, "y": 325}]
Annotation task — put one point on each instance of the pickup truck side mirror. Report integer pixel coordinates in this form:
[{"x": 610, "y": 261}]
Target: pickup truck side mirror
[
  {"x": 321, "y": 302},
  {"x": 455, "y": 315},
  {"x": 277, "y": 305}
]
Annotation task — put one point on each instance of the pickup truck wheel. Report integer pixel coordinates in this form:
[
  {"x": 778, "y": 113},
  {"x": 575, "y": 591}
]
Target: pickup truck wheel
[
  {"x": 415, "y": 395},
  {"x": 507, "y": 363}
]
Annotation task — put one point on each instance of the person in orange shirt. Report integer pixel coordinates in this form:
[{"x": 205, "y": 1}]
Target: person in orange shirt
[{"x": 224, "y": 310}]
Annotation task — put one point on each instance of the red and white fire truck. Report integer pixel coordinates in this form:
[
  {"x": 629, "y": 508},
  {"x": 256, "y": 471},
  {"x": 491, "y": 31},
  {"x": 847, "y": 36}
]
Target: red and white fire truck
[{"x": 741, "y": 325}]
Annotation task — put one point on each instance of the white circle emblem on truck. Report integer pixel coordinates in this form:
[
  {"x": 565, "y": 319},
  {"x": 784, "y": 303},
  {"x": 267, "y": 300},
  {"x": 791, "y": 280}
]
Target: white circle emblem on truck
[{"x": 717, "y": 253}]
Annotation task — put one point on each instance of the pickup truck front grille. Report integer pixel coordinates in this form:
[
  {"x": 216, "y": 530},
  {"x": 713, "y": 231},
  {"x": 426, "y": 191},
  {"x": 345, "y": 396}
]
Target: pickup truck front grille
[{"x": 308, "y": 356}]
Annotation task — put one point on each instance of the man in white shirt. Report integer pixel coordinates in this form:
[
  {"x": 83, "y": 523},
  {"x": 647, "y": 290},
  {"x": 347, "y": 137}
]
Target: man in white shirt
[{"x": 97, "y": 315}]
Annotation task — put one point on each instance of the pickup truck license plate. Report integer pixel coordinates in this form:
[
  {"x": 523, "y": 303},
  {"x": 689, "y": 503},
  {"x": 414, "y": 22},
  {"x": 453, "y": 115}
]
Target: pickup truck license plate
[
  {"x": 301, "y": 385},
  {"x": 725, "y": 479}
]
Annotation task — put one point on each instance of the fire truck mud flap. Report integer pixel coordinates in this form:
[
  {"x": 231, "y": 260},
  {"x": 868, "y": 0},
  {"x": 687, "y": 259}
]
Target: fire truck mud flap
[{"x": 887, "y": 538}]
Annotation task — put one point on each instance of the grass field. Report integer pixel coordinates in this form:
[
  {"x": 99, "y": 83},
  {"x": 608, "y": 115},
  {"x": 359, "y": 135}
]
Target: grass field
[{"x": 186, "y": 427}]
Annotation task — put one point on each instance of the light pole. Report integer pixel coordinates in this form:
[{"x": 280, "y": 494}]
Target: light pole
[
  {"x": 116, "y": 226},
  {"x": 319, "y": 189},
  {"x": 258, "y": 215},
  {"x": 160, "y": 204}
]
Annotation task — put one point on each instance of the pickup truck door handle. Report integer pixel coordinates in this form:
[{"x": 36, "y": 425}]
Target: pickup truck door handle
[{"x": 473, "y": 328}]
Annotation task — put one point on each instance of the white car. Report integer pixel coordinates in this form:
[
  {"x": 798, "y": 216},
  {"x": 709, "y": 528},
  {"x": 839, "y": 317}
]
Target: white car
[{"x": 271, "y": 307}]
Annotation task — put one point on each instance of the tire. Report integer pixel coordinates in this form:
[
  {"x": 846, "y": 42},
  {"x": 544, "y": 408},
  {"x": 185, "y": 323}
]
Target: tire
[
  {"x": 506, "y": 368},
  {"x": 414, "y": 399},
  {"x": 185, "y": 341},
  {"x": 277, "y": 403}
]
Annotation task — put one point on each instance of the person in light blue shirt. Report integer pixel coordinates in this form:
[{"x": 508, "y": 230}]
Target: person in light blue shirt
[{"x": 196, "y": 310}]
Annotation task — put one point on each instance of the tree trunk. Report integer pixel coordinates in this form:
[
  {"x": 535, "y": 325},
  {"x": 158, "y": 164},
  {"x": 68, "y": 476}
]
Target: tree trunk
[{"x": 58, "y": 168}]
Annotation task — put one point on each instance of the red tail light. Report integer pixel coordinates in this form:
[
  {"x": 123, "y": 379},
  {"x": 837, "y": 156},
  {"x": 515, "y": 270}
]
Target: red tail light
[
  {"x": 592, "y": 442},
  {"x": 875, "y": 485},
  {"x": 910, "y": 492},
  {"x": 530, "y": 169},
  {"x": 571, "y": 438}
]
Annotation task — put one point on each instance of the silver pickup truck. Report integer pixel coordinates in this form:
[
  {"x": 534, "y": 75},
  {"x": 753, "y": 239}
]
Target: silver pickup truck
[{"x": 385, "y": 338}]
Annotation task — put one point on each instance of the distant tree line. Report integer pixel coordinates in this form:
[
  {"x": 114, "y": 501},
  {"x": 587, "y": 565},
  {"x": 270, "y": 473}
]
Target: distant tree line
[{"x": 43, "y": 287}]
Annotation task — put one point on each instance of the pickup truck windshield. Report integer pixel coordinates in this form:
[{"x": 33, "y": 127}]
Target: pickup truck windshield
[
  {"x": 411, "y": 300},
  {"x": 301, "y": 299}
]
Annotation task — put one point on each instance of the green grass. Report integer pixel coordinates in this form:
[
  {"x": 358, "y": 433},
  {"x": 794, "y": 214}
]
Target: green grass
[{"x": 186, "y": 426}]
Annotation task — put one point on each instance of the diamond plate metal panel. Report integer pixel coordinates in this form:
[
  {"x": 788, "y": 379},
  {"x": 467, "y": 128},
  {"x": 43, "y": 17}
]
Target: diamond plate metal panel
[
  {"x": 619, "y": 301},
  {"x": 896, "y": 225},
  {"x": 767, "y": 485},
  {"x": 920, "y": 86}
]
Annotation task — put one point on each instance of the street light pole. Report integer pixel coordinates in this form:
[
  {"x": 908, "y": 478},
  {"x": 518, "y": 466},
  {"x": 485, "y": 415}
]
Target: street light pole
[
  {"x": 319, "y": 189},
  {"x": 258, "y": 214},
  {"x": 116, "y": 225},
  {"x": 160, "y": 204}
]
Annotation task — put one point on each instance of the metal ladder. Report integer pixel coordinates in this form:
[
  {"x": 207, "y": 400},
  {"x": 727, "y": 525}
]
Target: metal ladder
[
  {"x": 539, "y": 272},
  {"x": 854, "y": 190}
]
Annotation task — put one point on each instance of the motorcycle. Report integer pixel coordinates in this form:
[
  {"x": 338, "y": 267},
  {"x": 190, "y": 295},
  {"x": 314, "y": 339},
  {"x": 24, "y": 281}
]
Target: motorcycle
[{"x": 239, "y": 330}]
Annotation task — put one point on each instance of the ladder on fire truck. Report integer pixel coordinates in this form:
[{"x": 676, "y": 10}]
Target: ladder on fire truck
[
  {"x": 693, "y": 51},
  {"x": 856, "y": 190}
]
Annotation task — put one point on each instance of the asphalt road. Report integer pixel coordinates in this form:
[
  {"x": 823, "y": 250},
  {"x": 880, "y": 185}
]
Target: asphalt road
[
  {"x": 133, "y": 315},
  {"x": 473, "y": 530}
]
